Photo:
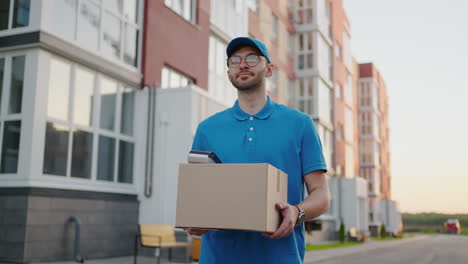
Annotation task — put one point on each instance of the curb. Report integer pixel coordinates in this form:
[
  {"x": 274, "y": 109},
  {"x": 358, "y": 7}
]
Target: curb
[{"x": 363, "y": 250}]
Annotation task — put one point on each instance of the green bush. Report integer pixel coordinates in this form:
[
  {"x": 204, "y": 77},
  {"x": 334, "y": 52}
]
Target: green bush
[
  {"x": 342, "y": 232},
  {"x": 432, "y": 218},
  {"x": 383, "y": 231},
  {"x": 464, "y": 230}
]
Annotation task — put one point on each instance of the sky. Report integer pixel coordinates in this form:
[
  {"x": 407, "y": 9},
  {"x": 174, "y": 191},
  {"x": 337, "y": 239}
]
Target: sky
[{"x": 421, "y": 49}]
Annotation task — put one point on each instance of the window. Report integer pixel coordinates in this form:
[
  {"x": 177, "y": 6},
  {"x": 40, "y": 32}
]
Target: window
[
  {"x": 219, "y": 85},
  {"x": 349, "y": 90},
  {"x": 184, "y": 8},
  {"x": 349, "y": 158},
  {"x": 14, "y": 14},
  {"x": 325, "y": 102},
  {"x": 339, "y": 133},
  {"x": 173, "y": 79},
  {"x": 328, "y": 12},
  {"x": 291, "y": 95},
  {"x": 82, "y": 113},
  {"x": 89, "y": 17},
  {"x": 330, "y": 66},
  {"x": 2, "y": 72},
  {"x": 300, "y": 62},
  {"x": 106, "y": 158},
  {"x": 304, "y": 12},
  {"x": 305, "y": 51},
  {"x": 16, "y": 86},
  {"x": 324, "y": 58},
  {"x": 65, "y": 12},
  {"x": 306, "y": 94},
  {"x": 346, "y": 51},
  {"x": 110, "y": 28},
  {"x": 339, "y": 91},
  {"x": 274, "y": 28},
  {"x": 82, "y": 151},
  {"x": 56, "y": 149},
  {"x": 338, "y": 52},
  {"x": 349, "y": 125},
  {"x": 12, "y": 72},
  {"x": 99, "y": 113},
  {"x": 21, "y": 13},
  {"x": 290, "y": 44}
]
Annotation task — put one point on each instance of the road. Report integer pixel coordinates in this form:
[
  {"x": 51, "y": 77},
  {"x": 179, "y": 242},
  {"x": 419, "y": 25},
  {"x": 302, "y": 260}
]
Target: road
[{"x": 436, "y": 249}]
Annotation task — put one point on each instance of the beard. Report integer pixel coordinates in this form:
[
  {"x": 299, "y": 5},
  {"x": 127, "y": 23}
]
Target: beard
[{"x": 251, "y": 85}]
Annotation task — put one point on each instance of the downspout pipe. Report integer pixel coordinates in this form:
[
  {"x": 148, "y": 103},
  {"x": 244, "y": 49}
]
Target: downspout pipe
[
  {"x": 150, "y": 142},
  {"x": 76, "y": 252}
]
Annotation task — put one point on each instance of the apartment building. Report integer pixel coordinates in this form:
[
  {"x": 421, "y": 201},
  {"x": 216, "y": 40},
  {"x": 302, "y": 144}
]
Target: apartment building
[
  {"x": 325, "y": 88},
  {"x": 70, "y": 78},
  {"x": 374, "y": 149},
  {"x": 269, "y": 22}
]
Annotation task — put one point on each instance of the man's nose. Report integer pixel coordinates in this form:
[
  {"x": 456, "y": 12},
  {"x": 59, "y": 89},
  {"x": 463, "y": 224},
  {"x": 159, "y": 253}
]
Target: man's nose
[{"x": 243, "y": 63}]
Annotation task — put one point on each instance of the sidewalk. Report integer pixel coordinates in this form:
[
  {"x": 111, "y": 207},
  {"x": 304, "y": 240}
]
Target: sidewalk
[
  {"x": 119, "y": 260},
  {"x": 311, "y": 257},
  {"x": 329, "y": 254}
]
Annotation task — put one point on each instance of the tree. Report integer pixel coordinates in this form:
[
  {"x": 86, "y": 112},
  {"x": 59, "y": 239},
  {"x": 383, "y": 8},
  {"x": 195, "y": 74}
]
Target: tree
[
  {"x": 342, "y": 232},
  {"x": 383, "y": 231}
]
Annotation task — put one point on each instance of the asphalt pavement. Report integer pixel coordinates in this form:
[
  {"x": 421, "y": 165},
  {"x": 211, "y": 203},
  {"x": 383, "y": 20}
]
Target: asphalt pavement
[
  {"x": 320, "y": 256},
  {"x": 434, "y": 249},
  {"x": 326, "y": 256}
]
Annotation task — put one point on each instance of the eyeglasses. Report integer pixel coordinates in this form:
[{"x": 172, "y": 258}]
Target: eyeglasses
[{"x": 251, "y": 60}]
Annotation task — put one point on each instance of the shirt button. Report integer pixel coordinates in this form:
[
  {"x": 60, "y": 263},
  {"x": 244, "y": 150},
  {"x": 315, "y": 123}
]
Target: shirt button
[
  {"x": 251, "y": 129},
  {"x": 250, "y": 139},
  {"x": 251, "y": 118}
]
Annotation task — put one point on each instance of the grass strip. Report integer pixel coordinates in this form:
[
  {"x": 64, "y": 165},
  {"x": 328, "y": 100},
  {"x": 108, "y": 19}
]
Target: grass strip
[
  {"x": 331, "y": 245},
  {"x": 385, "y": 238}
]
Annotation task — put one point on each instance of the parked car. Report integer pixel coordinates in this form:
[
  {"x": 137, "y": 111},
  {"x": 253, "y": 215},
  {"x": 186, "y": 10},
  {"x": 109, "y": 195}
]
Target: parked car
[{"x": 452, "y": 226}]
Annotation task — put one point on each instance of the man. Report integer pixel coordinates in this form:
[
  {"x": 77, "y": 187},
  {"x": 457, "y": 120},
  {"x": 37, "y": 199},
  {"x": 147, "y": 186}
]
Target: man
[{"x": 258, "y": 130}]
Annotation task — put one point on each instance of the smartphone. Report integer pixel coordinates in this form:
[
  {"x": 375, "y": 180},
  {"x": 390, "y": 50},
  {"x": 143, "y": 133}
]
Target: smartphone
[{"x": 198, "y": 156}]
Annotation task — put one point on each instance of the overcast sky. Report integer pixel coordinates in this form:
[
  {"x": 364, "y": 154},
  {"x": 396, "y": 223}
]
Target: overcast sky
[{"x": 421, "y": 49}]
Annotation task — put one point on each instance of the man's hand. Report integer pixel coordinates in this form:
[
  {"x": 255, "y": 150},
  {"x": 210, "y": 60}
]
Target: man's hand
[
  {"x": 197, "y": 231},
  {"x": 289, "y": 214}
]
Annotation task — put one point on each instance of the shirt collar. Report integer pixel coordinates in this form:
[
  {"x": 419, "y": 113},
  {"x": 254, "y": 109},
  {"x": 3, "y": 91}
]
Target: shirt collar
[{"x": 266, "y": 111}]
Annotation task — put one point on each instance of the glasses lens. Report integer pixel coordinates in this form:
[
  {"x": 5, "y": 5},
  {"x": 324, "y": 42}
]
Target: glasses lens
[
  {"x": 252, "y": 60},
  {"x": 235, "y": 60}
]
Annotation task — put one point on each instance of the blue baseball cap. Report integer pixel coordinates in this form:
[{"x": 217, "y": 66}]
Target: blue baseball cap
[{"x": 237, "y": 43}]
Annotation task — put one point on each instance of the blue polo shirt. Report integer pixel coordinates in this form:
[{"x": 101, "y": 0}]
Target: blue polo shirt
[{"x": 280, "y": 136}]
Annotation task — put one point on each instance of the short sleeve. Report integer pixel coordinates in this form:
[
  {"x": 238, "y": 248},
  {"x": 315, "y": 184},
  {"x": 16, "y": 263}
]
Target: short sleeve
[
  {"x": 312, "y": 158},
  {"x": 199, "y": 142}
]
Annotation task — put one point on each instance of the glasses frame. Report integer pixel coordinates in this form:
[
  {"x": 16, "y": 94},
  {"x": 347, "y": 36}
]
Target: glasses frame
[{"x": 244, "y": 59}]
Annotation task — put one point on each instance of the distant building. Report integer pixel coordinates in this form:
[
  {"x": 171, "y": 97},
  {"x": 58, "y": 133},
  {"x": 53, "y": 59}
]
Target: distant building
[{"x": 374, "y": 148}]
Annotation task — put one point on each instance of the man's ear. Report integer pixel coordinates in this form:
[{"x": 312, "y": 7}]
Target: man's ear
[{"x": 269, "y": 70}]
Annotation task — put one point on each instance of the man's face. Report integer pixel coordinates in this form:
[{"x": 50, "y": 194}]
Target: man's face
[{"x": 245, "y": 77}]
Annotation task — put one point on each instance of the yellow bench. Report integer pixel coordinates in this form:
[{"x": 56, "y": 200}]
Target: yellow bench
[
  {"x": 157, "y": 236},
  {"x": 354, "y": 236}
]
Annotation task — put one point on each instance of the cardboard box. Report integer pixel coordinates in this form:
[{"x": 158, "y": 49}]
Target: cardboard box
[{"x": 230, "y": 196}]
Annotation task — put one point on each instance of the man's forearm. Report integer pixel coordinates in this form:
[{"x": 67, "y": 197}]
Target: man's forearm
[
  {"x": 316, "y": 204},
  {"x": 318, "y": 200}
]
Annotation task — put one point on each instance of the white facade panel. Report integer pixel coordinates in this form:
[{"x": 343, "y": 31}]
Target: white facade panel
[
  {"x": 178, "y": 113},
  {"x": 390, "y": 215},
  {"x": 34, "y": 19},
  {"x": 97, "y": 27},
  {"x": 350, "y": 196},
  {"x": 323, "y": 17},
  {"x": 230, "y": 17}
]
